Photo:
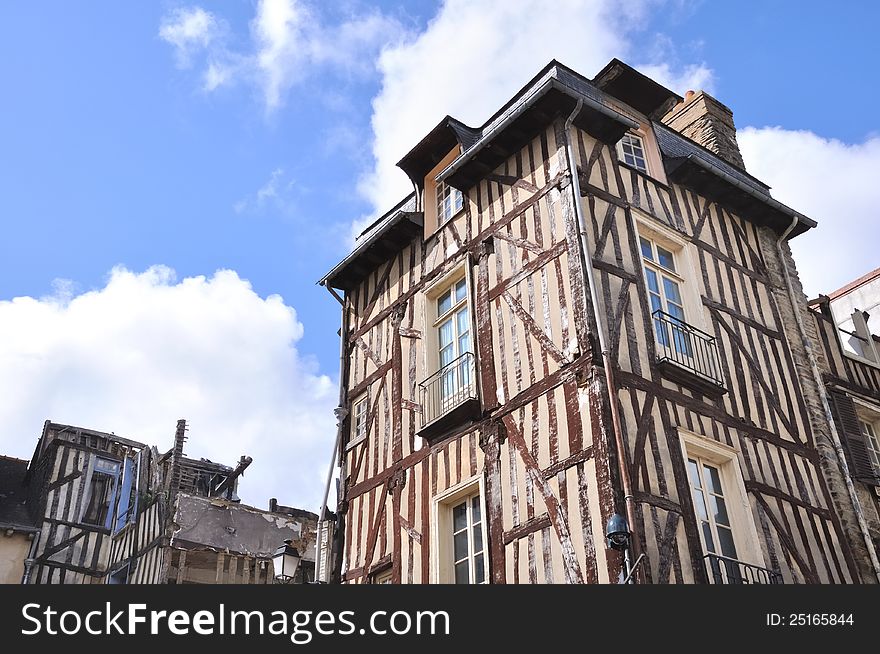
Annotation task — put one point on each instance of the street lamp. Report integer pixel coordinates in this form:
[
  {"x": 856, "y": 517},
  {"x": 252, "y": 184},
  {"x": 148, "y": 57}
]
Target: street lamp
[
  {"x": 617, "y": 532},
  {"x": 285, "y": 560}
]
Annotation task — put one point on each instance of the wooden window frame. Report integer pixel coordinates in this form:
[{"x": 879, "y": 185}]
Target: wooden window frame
[
  {"x": 110, "y": 515},
  {"x": 354, "y": 438},
  {"x": 431, "y": 338},
  {"x": 429, "y": 195},
  {"x": 869, "y": 415},
  {"x": 726, "y": 460},
  {"x": 687, "y": 273},
  {"x": 442, "y": 567},
  {"x": 650, "y": 149}
]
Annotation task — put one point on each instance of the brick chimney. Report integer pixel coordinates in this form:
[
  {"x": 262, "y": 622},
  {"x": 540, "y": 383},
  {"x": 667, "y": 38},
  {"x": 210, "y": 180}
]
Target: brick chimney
[{"x": 708, "y": 122}]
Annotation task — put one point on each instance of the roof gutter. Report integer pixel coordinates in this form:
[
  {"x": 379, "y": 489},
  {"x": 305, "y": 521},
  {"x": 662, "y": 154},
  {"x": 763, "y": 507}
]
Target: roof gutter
[
  {"x": 763, "y": 197},
  {"x": 546, "y": 87}
]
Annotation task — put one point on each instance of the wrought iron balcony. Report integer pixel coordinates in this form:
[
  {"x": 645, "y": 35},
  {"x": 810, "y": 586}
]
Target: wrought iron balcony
[
  {"x": 724, "y": 570},
  {"x": 450, "y": 388},
  {"x": 682, "y": 347}
]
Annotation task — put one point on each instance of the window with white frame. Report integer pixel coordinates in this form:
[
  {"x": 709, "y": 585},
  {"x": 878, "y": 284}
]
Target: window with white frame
[
  {"x": 716, "y": 531},
  {"x": 460, "y": 536},
  {"x": 664, "y": 284},
  {"x": 631, "y": 150},
  {"x": 449, "y": 202},
  {"x": 453, "y": 331},
  {"x": 383, "y": 577},
  {"x": 870, "y": 431},
  {"x": 359, "y": 416},
  {"x": 724, "y": 519},
  {"x": 468, "y": 557}
]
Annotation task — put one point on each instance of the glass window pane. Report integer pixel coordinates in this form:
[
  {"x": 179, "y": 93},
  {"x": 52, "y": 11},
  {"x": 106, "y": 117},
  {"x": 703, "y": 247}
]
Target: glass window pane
[
  {"x": 462, "y": 574},
  {"x": 446, "y": 333},
  {"x": 713, "y": 480},
  {"x": 459, "y": 517},
  {"x": 475, "y": 508},
  {"x": 671, "y": 289},
  {"x": 700, "y": 505},
  {"x": 725, "y": 541},
  {"x": 463, "y": 320},
  {"x": 656, "y": 302},
  {"x": 694, "y": 473},
  {"x": 478, "y": 538},
  {"x": 460, "y": 290},
  {"x": 665, "y": 258},
  {"x": 675, "y": 311},
  {"x": 719, "y": 510},
  {"x": 464, "y": 344},
  {"x": 651, "y": 277},
  {"x": 447, "y": 355},
  {"x": 646, "y": 248},
  {"x": 444, "y": 303},
  {"x": 479, "y": 571},
  {"x": 707, "y": 537},
  {"x": 460, "y": 546}
]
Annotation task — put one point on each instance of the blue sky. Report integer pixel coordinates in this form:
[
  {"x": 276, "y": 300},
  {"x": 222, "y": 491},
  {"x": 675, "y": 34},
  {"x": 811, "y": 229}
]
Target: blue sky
[{"x": 253, "y": 137}]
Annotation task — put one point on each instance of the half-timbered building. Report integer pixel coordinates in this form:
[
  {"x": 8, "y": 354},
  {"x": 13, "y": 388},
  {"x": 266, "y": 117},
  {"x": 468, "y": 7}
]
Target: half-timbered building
[
  {"x": 583, "y": 314},
  {"x": 847, "y": 324},
  {"x": 93, "y": 507}
]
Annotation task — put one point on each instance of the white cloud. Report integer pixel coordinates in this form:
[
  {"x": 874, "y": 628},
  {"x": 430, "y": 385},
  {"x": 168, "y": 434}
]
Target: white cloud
[
  {"x": 278, "y": 190},
  {"x": 833, "y": 182},
  {"x": 289, "y": 42},
  {"x": 144, "y": 350},
  {"x": 474, "y": 55},
  {"x": 189, "y": 29}
]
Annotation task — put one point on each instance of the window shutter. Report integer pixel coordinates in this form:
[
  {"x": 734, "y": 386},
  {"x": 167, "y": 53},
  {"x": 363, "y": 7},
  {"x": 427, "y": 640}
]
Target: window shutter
[{"x": 847, "y": 421}]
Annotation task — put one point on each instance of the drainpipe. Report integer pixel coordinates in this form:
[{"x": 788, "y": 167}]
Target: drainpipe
[
  {"x": 623, "y": 468},
  {"x": 826, "y": 407},
  {"x": 340, "y": 411}
]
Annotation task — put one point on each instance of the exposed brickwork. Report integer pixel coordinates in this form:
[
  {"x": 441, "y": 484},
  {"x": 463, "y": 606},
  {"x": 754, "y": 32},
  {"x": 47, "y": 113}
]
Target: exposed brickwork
[{"x": 708, "y": 122}]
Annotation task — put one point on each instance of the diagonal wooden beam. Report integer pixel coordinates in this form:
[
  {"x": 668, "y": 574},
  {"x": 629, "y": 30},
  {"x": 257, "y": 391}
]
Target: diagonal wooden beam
[
  {"x": 533, "y": 328},
  {"x": 573, "y": 574}
]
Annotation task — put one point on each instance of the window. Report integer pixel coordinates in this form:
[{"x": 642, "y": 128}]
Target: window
[
  {"x": 873, "y": 442},
  {"x": 383, "y": 577},
  {"x": 723, "y": 513},
  {"x": 856, "y": 337},
  {"x": 101, "y": 494},
  {"x": 119, "y": 576},
  {"x": 468, "y": 557},
  {"x": 459, "y": 535},
  {"x": 453, "y": 329},
  {"x": 359, "y": 420},
  {"x": 716, "y": 532},
  {"x": 665, "y": 294},
  {"x": 449, "y": 202},
  {"x": 631, "y": 150}
]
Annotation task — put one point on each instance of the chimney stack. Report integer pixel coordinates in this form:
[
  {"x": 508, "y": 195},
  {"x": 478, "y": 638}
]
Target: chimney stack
[{"x": 703, "y": 119}]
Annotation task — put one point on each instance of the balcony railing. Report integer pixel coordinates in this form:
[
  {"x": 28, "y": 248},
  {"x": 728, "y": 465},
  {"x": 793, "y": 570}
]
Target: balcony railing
[
  {"x": 687, "y": 347},
  {"x": 450, "y": 387},
  {"x": 724, "y": 570}
]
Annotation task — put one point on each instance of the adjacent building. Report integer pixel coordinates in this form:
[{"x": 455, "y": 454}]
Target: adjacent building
[
  {"x": 847, "y": 324},
  {"x": 93, "y": 507},
  {"x": 586, "y": 313}
]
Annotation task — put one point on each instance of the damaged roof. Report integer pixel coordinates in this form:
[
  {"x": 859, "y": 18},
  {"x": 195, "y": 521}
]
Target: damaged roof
[
  {"x": 14, "y": 513},
  {"x": 224, "y": 526}
]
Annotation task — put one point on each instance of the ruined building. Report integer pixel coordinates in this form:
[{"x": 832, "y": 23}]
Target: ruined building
[
  {"x": 586, "y": 321},
  {"x": 92, "y": 507}
]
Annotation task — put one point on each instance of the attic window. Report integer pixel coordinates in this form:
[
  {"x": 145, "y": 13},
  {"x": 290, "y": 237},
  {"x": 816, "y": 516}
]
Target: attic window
[
  {"x": 449, "y": 202},
  {"x": 631, "y": 150}
]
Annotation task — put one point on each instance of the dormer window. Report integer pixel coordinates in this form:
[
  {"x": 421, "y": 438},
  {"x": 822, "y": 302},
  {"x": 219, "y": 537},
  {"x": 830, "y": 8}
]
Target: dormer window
[
  {"x": 631, "y": 151},
  {"x": 449, "y": 202}
]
